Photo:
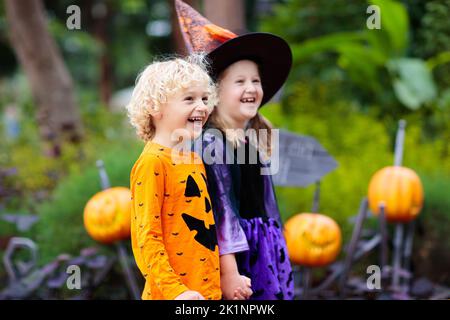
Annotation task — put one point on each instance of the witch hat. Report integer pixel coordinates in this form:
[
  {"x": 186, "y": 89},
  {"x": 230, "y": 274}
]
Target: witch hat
[{"x": 223, "y": 48}]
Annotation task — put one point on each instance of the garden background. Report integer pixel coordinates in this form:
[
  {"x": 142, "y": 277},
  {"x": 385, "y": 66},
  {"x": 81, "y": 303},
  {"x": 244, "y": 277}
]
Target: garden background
[{"x": 348, "y": 88}]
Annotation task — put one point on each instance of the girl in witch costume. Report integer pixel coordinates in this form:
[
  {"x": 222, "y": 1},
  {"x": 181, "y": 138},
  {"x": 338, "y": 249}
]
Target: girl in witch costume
[{"x": 249, "y": 70}]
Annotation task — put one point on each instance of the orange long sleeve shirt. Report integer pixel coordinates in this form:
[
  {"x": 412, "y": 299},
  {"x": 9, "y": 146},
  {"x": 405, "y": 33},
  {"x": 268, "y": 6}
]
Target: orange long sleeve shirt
[{"x": 172, "y": 225}]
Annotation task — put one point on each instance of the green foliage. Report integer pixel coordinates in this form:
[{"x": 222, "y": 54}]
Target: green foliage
[
  {"x": 365, "y": 54},
  {"x": 432, "y": 248},
  {"x": 430, "y": 156},
  {"x": 437, "y": 201},
  {"x": 394, "y": 32},
  {"x": 298, "y": 20},
  {"x": 376, "y": 61},
  {"x": 434, "y": 36},
  {"x": 413, "y": 82}
]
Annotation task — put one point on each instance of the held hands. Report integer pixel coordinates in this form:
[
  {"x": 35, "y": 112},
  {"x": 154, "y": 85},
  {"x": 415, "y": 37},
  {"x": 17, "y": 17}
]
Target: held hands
[
  {"x": 244, "y": 293},
  {"x": 190, "y": 295},
  {"x": 236, "y": 287}
]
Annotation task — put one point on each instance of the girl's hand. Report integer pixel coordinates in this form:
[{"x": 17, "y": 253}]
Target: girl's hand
[
  {"x": 244, "y": 293},
  {"x": 235, "y": 287},
  {"x": 190, "y": 295}
]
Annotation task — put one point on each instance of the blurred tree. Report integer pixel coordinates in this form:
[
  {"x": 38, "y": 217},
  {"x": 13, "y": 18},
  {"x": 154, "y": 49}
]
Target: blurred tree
[
  {"x": 100, "y": 16},
  {"x": 299, "y": 20},
  {"x": 50, "y": 82},
  {"x": 116, "y": 40},
  {"x": 434, "y": 36},
  {"x": 227, "y": 14}
]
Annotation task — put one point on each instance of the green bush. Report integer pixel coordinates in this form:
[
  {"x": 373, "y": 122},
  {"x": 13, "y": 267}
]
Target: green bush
[
  {"x": 432, "y": 245},
  {"x": 437, "y": 201}
]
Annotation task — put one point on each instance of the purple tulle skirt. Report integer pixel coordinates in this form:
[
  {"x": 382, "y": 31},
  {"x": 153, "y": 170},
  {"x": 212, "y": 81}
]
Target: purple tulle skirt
[{"x": 266, "y": 262}]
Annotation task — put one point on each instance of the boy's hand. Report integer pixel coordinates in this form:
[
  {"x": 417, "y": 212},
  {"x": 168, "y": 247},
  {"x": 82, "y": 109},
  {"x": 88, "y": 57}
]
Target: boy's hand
[
  {"x": 236, "y": 287},
  {"x": 190, "y": 295}
]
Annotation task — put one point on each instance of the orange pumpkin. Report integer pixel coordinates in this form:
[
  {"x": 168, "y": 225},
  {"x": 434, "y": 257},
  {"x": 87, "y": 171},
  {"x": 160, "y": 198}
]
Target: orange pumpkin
[
  {"x": 107, "y": 215},
  {"x": 312, "y": 239},
  {"x": 400, "y": 190}
]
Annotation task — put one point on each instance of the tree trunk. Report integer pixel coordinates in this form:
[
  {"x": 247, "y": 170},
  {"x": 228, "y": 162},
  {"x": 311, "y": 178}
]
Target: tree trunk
[
  {"x": 51, "y": 84},
  {"x": 100, "y": 14},
  {"x": 228, "y": 14}
]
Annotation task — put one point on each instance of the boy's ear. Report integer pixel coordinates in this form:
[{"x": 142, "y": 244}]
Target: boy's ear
[{"x": 155, "y": 113}]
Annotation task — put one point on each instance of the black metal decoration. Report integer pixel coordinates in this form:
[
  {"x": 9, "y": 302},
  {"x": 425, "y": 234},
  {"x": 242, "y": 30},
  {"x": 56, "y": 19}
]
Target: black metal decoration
[
  {"x": 15, "y": 271},
  {"x": 384, "y": 242},
  {"x": 362, "y": 243},
  {"x": 305, "y": 272},
  {"x": 402, "y": 252},
  {"x": 27, "y": 281},
  {"x": 352, "y": 246},
  {"x": 402, "y": 247}
]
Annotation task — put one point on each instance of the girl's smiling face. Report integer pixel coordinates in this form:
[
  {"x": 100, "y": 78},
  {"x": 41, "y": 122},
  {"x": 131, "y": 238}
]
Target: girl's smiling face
[{"x": 240, "y": 93}]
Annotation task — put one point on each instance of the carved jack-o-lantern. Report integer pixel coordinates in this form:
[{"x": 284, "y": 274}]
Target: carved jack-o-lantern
[
  {"x": 312, "y": 239},
  {"x": 107, "y": 215},
  {"x": 400, "y": 190}
]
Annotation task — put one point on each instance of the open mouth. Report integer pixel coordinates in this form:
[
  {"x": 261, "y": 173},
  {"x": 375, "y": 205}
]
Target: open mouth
[
  {"x": 248, "y": 100},
  {"x": 195, "y": 119}
]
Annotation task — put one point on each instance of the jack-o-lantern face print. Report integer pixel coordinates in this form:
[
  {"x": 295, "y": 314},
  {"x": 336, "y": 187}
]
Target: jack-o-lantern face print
[{"x": 206, "y": 235}]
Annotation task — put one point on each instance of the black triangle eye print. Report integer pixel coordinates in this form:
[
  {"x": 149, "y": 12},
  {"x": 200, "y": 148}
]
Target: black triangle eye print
[
  {"x": 206, "y": 237},
  {"x": 192, "y": 189}
]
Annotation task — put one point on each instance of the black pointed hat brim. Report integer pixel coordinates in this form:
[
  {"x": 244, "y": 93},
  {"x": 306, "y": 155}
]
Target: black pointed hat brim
[{"x": 270, "y": 52}]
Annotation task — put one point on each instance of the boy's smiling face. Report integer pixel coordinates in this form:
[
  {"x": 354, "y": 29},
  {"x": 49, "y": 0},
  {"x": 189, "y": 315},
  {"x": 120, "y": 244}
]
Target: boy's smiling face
[
  {"x": 186, "y": 110},
  {"x": 240, "y": 92}
]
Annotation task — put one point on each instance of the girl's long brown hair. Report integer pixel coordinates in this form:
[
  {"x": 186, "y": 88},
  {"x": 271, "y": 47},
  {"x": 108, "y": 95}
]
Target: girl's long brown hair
[{"x": 263, "y": 142}]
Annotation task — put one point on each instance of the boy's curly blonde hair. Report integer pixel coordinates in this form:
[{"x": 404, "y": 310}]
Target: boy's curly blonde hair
[{"x": 159, "y": 81}]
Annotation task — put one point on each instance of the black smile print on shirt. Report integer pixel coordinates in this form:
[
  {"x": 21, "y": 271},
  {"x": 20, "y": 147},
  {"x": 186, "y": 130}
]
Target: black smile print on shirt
[{"x": 206, "y": 237}]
